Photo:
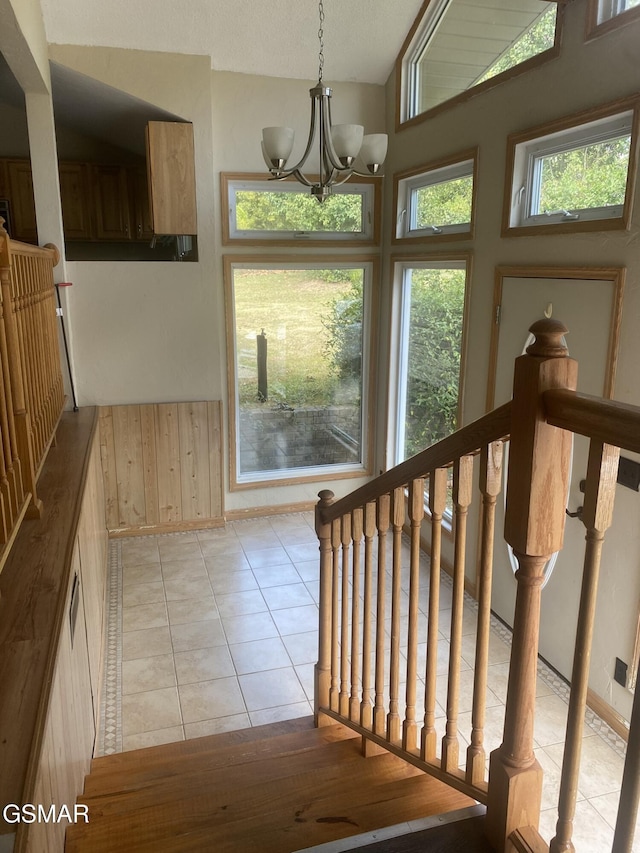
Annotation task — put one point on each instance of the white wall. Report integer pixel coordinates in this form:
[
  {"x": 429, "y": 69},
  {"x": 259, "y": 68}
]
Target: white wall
[{"x": 583, "y": 76}]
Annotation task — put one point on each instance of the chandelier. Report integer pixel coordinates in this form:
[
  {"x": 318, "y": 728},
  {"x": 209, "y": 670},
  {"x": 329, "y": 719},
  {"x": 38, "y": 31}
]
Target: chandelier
[{"x": 339, "y": 144}]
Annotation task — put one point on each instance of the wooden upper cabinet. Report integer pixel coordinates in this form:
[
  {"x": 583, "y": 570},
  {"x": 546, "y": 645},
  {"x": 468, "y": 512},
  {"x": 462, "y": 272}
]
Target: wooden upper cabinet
[
  {"x": 143, "y": 229},
  {"x": 111, "y": 200},
  {"x": 172, "y": 178},
  {"x": 23, "y": 208},
  {"x": 75, "y": 195}
]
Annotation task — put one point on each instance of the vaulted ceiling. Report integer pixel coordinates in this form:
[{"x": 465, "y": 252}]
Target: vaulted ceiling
[{"x": 276, "y": 38}]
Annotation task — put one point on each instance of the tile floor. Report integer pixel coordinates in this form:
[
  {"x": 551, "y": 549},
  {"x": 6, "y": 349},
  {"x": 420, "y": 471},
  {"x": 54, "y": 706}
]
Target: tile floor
[{"x": 216, "y": 630}]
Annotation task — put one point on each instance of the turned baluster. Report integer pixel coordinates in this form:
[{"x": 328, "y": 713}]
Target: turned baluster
[
  {"x": 383, "y": 515},
  {"x": 357, "y": 522},
  {"x": 437, "y": 505},
  {"x": 538, "y": 478},
  {"x": 323, "y": 667},
  {"x": 416, "y": 514},
  {"x": 490, "y": 484},
  {"x": 397, "y": 521},
  {"x": 366, "y": 715},
  {"x": 334, "y": 691},
  {"x": 345, "y": 534},
  {"x": 600, "y": 490},
  {"x": 462, "y": 492}
]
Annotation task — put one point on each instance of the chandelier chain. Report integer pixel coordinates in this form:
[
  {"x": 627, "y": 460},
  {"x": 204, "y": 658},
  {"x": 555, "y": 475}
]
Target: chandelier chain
[{"x": 321, "y": 40}]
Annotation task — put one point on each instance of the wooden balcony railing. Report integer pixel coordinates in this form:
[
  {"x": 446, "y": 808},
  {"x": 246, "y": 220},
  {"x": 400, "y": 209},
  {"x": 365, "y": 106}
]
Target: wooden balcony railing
[
  {"x": 30, "y": 378},
  {"x": 374, "y": 617}
]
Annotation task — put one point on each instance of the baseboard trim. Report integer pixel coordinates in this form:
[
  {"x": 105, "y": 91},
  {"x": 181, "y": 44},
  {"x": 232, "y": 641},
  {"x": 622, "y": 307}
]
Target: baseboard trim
[
  {"x": 260, "y": 511},
  {"x": 610, "y": 716},
  {"x": 170, "y": 527}
]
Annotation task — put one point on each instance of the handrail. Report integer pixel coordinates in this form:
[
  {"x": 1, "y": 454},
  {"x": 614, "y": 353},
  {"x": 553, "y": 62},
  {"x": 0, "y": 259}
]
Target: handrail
[
  {"x": 608, "y": 421},
  {"x": 491, "y": 427}
]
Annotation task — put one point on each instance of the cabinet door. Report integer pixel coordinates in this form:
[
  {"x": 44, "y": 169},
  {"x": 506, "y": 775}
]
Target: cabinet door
[
  {"x": 23, "y": 208},
  {"x": 75, "y": 195},
  {"x": 141, "y": 207},
  {"x": 111, "y": 198},
  {"x": 172, "y": 181}
]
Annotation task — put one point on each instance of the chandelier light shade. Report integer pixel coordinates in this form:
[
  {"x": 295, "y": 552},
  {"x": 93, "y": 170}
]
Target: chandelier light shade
[{"x": 344, "y": 149}]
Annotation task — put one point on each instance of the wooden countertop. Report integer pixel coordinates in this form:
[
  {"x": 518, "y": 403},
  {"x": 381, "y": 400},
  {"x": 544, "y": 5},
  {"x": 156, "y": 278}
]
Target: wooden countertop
[{"x": 33, "y": 586}]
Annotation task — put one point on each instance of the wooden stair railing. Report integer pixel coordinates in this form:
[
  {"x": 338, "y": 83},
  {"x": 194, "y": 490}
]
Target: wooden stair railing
[
  {"x": 30, "y": 378},
  {"x": 360, "y": 671}
]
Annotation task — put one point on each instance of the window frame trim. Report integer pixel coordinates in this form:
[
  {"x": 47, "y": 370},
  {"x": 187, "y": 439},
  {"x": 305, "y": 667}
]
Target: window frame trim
[
  {"x": 517, "y": 179},
  {"x": 404, "y": 60},
  {"x": 596, "y": 28},
  {"x": 372, "y": 207},
  {"x": 405, "y": 182},
  {"x": 364, "y": 468}
]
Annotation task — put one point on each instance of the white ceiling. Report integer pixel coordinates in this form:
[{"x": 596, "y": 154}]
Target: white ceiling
[{"x": 275, "y": 38}]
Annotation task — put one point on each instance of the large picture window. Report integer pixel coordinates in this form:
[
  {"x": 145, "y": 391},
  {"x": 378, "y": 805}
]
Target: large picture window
[
  {"x": 429, "y": 322},
  {"x": 456, "y": 46},
  {"x": 298, "y": 334}
]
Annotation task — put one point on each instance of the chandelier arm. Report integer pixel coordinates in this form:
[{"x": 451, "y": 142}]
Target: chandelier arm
[
  {"x": 312, "y": 133},
  {"x": 328, "y": 148}
]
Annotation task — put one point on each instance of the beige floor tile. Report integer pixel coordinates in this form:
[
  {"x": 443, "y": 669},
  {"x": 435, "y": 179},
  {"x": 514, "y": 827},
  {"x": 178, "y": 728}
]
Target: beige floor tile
[
  {"x": 550, "y": 720},
  {"x": 141, "y": 616},
  {"x": 271, "y": 688},
  {"x": 302, "y": 648},
  {"x": 309, "y": 570},
  {"x": 179, "y": 589},
  {"x": 241, "y": 603},
  {"x": 297, "y": 536},
  {"x": 146, "y": 712},
  {"x": 148, "y": 673},
  {"x": 264, "y": 557},
  {"x": 204, "y": 728},
  {"x": 150, "y": 573},
  {"x": 283, "y": 712},
  {"x": 305, "y": 673},
  {"x": 235, "y": 582},
  {"x": 268, "y": 539},
  {"x": 276, "y": 576},
  {"x": 294, "y": 620},
  {"x": 290, "y": 595},
  {"x": 142, "y": 593},
  {"x": 216, "y": 533},
  {"x": 229, "y": 546},
  {"x": 184, "y": 569},
  {"x": 147, "y": 739},
  {"x": 203, "y": 664},
  {"x": 137, "y": 552},
  {"x": 192, "y": 610},
  {"x": 207, "y": 700},
  {"x": 198, "y": 635},
  {"x": 607, "y": 808},
  {"x": 301, "y": 552},
  {"x": 600, "y": 767},
  {"x": 179, "y": 549},
  {"x": 150, "y": 641},
  {"x": 259, "y": 655},
  {"x": 239, "y": 629},
  {"x": 225, "y": 564}
]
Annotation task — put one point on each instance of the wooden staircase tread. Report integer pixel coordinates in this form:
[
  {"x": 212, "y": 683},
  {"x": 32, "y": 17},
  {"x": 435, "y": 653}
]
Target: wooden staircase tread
[
  {"x": 227, "y": 781},
  {"x": 142, "y": 766},
  {"x": 273, "y": 805}
]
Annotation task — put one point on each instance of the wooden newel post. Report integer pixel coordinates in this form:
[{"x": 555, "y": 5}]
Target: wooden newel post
[
  {"x": 323, "y": 667},
  {"x": 537, "y": 484}
]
